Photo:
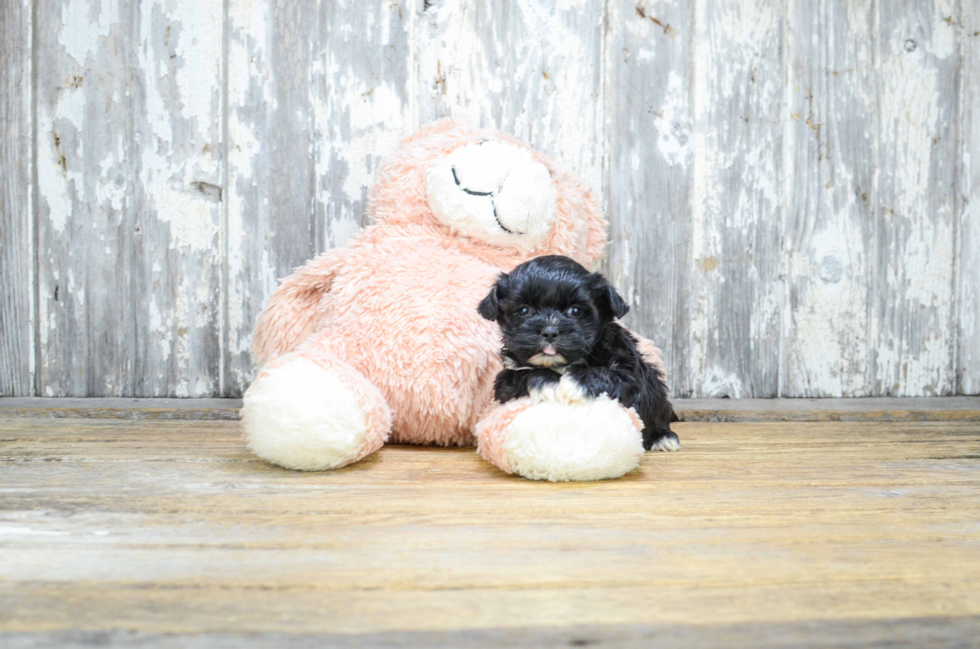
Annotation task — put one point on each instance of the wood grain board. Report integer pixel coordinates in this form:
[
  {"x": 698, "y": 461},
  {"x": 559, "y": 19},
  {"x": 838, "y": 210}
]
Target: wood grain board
[
  {"x": 914, "y": 265},
  {"x": 16, "y": 217},
  {"x": 128, "y": 182},
  {"x": 829, "y": 229},
  {"x": 317, "y": 92},
  {"x": 754, "y": 534},
  {"x": 647, "y": 100},
  {"x": 968, "y": 207},
  {"x": 790, "y": 190},
  {"x": 871, "y": 409}
]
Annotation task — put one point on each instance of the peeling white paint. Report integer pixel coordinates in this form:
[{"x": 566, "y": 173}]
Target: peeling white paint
[
  {"x": 190, "y": 216},
  {"x": 942, "y": 43},
  {"x": 199, "y": 53},
  {"x": 123, "y": 152},
  {"x": 79, "y": 34},
  {"x": 914, "y": 348},
  {"x": 160, "y": 330},
  {"x": 59, "y": 173},
  {"x": 251, "y": 96},
  {"x": 111, "y": 189},
  {"x": 718, "y": 384},
  {"x": 376, "y": 122},
  {"x": 736, "y": 195},
  {"x": 53, "y": 183},
  {"x": 671, "y": 123}
]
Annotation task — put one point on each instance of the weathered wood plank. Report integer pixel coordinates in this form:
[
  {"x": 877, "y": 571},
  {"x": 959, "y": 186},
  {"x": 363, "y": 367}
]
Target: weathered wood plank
[
  {"x": 158, "y": 610},
  {"x": 533, "y": 69},
  {"x": 718, "y": 410},
  {"x": 912, "y": 313},
  {"x": 128, "y": 161},
  {"x": 83, "y": 441},
  {"x": 648, "y": 82},
  {"x": 968, "y": 266},
  {"x": 122, "y": 408},
  {"x": 883, "y": 409},
  {"x": 171, "y": 527},
  {"x": 363, "y": 101},
  {"x": 16, "y": 213},
  {"x": 919, "y": 633},
  {"x": 829, "y": 226},
  {"x": 736, "y": 200},
  {"x": 270, "y": 176},
  {"x": 318, "y": 92}
]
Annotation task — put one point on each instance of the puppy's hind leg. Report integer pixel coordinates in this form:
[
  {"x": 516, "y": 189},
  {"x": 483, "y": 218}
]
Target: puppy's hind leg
[
  {"x": 657, "y": 415},
  {"x": 661, "y": 440}
]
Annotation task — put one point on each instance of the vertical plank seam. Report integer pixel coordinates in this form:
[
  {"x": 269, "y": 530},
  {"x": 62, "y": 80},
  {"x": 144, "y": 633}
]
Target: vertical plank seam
[
  {"x": 34, "y": 376},
  {"x": 223, "y": 210},
  {"x": 784, "y": 207},
  {"x": 690, "y": 389},
  {"x": 959, "y": 142},
  {"x": 414, "y": 118},
  {"x": 317, "y": 235},
  {"x": 874, "y": 336},
  {"x": 687, "y": 389},
  {"x": 137, "y": 364},
  {"x": 604, "y": 130},
  {"x": 785, "y": 314}
]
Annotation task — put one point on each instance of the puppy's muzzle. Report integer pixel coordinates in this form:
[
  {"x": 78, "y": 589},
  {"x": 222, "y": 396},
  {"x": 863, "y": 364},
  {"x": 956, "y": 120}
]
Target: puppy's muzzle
[{"x": 544, "y": 359}]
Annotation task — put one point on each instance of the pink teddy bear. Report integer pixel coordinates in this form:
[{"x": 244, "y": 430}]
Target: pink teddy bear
[{"x": 381, "y": 341}]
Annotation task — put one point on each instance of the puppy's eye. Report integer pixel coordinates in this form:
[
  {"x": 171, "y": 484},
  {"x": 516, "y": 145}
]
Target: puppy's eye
[
  {"x": 524, "y": 310},
  {"x": 574, "y": 312}
]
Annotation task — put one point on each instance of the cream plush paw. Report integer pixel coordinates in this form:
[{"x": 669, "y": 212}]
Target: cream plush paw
[
  {"x": 560, "y": 436},
  {"x": 313, "y": 414}
]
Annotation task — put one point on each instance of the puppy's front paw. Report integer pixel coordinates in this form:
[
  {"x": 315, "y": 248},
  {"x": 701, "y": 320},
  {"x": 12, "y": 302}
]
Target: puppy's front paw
[
  {"x": 666, "y": 442},
  {"x": 566, "y": 390}
]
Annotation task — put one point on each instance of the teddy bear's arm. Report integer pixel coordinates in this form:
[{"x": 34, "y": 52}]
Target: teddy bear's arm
[
  {"x": 291, "y": 312},
  {"x": 651, "y": 354}
]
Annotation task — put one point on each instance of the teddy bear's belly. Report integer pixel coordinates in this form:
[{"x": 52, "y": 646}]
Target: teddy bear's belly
[{"x": 412, "y": 328}]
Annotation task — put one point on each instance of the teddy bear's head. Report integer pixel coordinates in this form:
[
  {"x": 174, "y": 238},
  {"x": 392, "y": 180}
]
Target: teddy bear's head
[{"x": 491, "y": 190}]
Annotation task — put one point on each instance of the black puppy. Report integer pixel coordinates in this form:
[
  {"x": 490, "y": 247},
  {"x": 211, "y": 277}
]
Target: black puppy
[{"x": 559, "y": 319}]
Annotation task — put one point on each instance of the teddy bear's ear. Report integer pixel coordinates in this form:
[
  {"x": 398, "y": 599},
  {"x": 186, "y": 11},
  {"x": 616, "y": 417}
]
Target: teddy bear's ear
[
  {"x": 440, "y": 126},
  {"x": 489, "y": 307}
]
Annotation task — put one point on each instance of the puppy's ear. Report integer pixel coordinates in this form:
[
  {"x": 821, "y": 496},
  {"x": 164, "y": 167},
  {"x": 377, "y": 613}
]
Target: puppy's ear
[
  {"x": 607, "y": 297},
  {"x": 489, "y": 307}
]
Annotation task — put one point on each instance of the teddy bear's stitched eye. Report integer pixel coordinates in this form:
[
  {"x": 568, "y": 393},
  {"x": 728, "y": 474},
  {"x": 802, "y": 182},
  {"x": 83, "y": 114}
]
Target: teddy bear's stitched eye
[
  {"x": 524, "y": 310},
  {"x": 574, "y": 312}
]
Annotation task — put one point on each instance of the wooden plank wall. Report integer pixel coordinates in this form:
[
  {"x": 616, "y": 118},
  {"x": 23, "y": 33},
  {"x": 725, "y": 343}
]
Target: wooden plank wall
[
  {"x": 792, "y": 202},
  {"x": 16, "y": 218}
]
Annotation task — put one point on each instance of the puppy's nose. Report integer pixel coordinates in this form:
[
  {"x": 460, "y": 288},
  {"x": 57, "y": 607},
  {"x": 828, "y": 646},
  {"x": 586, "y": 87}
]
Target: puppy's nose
[{"x": 549, "y": 333}]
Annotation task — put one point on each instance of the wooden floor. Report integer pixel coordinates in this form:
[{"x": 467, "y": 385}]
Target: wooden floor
[{"x": 157, "y": 532}]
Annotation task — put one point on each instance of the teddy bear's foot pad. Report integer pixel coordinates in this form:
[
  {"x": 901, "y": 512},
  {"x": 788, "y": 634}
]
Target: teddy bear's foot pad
[{"x": 313, "y": 414}]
